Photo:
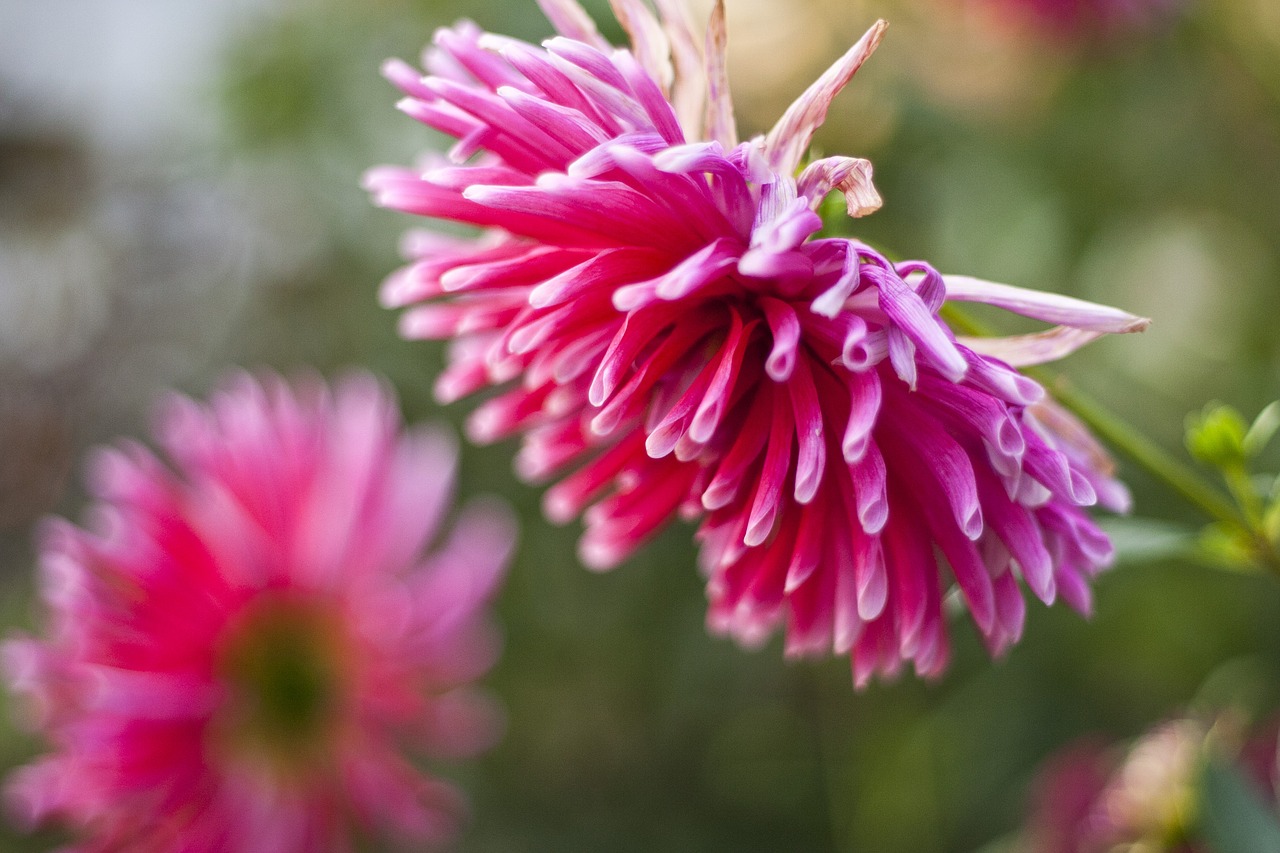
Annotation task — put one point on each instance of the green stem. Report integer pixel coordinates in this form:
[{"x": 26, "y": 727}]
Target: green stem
[
  {"x": 1241, "y": 488},
  {"x": 827, "y": 749}
]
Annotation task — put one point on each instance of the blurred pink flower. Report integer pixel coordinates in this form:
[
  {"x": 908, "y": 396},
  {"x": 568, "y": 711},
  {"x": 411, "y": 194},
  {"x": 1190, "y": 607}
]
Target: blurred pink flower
[
  {"x": 240, "y": 644},
  {"x": 1144, "y": 796},
  {"x": 1078, "y": 18},
  {"x": 655, "y": 298},
  {"x": 1064, "y": 801},
  {"x": 1091, "y": 798}
]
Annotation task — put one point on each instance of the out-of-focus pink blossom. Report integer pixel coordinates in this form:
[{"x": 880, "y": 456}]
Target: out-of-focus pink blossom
[
  {"x": 1064, "y": 800},
  {"x": 1076, "y": 19},
  {"x": 1093, "y": 798},
  {"x": 244, "y": 637},
  {"x": 676, "y": 339}
]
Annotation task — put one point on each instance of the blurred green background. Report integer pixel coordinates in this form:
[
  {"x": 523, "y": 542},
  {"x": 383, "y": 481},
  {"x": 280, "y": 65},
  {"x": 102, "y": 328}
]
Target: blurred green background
[{"x": 179, "y": 192}]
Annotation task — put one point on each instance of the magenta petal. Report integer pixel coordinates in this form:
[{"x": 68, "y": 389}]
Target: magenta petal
[
  {"x": 914, "y": 576},
  {"x": 938, "y": 460},
  {"x": 715, "y": 404},
  {"x": 909, "y": 312},
  {"x": 745, "y": 448},
  {"x": 1017, "y": 529},
  {"x": 785, "y": 326},
  {"x": 871, "y": 577},
  {"x": 811, "y": 454},
  {"x": 868, "y": 477},
  {"x": 864, "y": 395},
  {"x": 769, "y": 487},
  {"x": 808, "y": 550}
]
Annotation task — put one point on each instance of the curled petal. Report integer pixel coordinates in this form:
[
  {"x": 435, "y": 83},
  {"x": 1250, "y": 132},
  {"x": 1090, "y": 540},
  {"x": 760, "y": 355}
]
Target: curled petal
[{"x": 850, "y": 175}]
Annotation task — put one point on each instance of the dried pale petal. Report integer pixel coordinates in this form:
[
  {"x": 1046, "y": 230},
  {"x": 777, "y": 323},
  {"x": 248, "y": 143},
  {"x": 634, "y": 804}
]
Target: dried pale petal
[
  {"x": 572, "y": 21},
  {"x": 1032, "y": 349},
  {"x": 721, "y": 126},
  {"x": 648, "y": 39},
  {"x": 690, "y": 91},
  {"x": 786, "y": 143}
]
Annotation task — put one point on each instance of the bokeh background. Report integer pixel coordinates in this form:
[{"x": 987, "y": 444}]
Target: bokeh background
[{"x": 179, "y": 192}]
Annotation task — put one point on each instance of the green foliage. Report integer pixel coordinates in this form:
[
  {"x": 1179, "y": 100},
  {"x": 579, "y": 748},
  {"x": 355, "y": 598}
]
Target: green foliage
[
  {"x": 1216, "y": 436},
  {"x": 1144, "y": 540},
  {"x": 1262, "y": 430},
  {"x": 1233, "y": 815},
  {"x": 1220, "y": 438}
]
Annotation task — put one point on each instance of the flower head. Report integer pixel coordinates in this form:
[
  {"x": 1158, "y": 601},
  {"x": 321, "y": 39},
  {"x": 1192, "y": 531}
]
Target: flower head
[
  {"x": 242, "y": 640},
  {"x": 652, "y": 294}
]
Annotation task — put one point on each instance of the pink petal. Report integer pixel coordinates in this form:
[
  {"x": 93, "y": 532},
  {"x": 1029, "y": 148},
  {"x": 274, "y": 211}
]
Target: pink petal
[
  {"x": 1036, "y": 348},
  {"x": 1050, "y": 307}
]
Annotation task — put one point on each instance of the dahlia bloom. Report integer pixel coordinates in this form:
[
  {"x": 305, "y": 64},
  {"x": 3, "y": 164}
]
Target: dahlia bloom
[
  {"x": 241, "y": 640},
  {"x": 654, "y": 298}
]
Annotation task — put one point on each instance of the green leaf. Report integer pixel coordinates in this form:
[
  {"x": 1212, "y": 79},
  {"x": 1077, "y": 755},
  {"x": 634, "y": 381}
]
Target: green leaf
[
  {"x": 1262, "y": 429},
  {"x": 1216, "y": 436},
  {"x": 1234, "y": 817},
  {"x": 1228, "y": 548},
  {"x": 1144, "y": 540},
  {"x": 1271, "y": 523}
]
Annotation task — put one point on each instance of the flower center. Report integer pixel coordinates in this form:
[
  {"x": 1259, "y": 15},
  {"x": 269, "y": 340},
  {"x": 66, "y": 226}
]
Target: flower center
[{"x": 283, "y": 664}]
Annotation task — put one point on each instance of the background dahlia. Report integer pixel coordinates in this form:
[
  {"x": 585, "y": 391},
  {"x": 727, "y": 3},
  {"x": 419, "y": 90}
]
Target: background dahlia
[
  {"x": 242, "y": 640},
  {"x": 1091, "y": 18},
  {"x": 1161, "y": 792},
  {"x": 655, "y": 298}
]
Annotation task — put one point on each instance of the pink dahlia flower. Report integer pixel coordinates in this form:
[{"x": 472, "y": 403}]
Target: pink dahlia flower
[
  {"x": 242, "y": 640},
  {"x": 654, "y": 298}
]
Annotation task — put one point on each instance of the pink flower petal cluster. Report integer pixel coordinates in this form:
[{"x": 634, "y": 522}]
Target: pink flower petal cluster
[
  {"x": 242, "y": 641},
  {"x": 675, "y": 338}
]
